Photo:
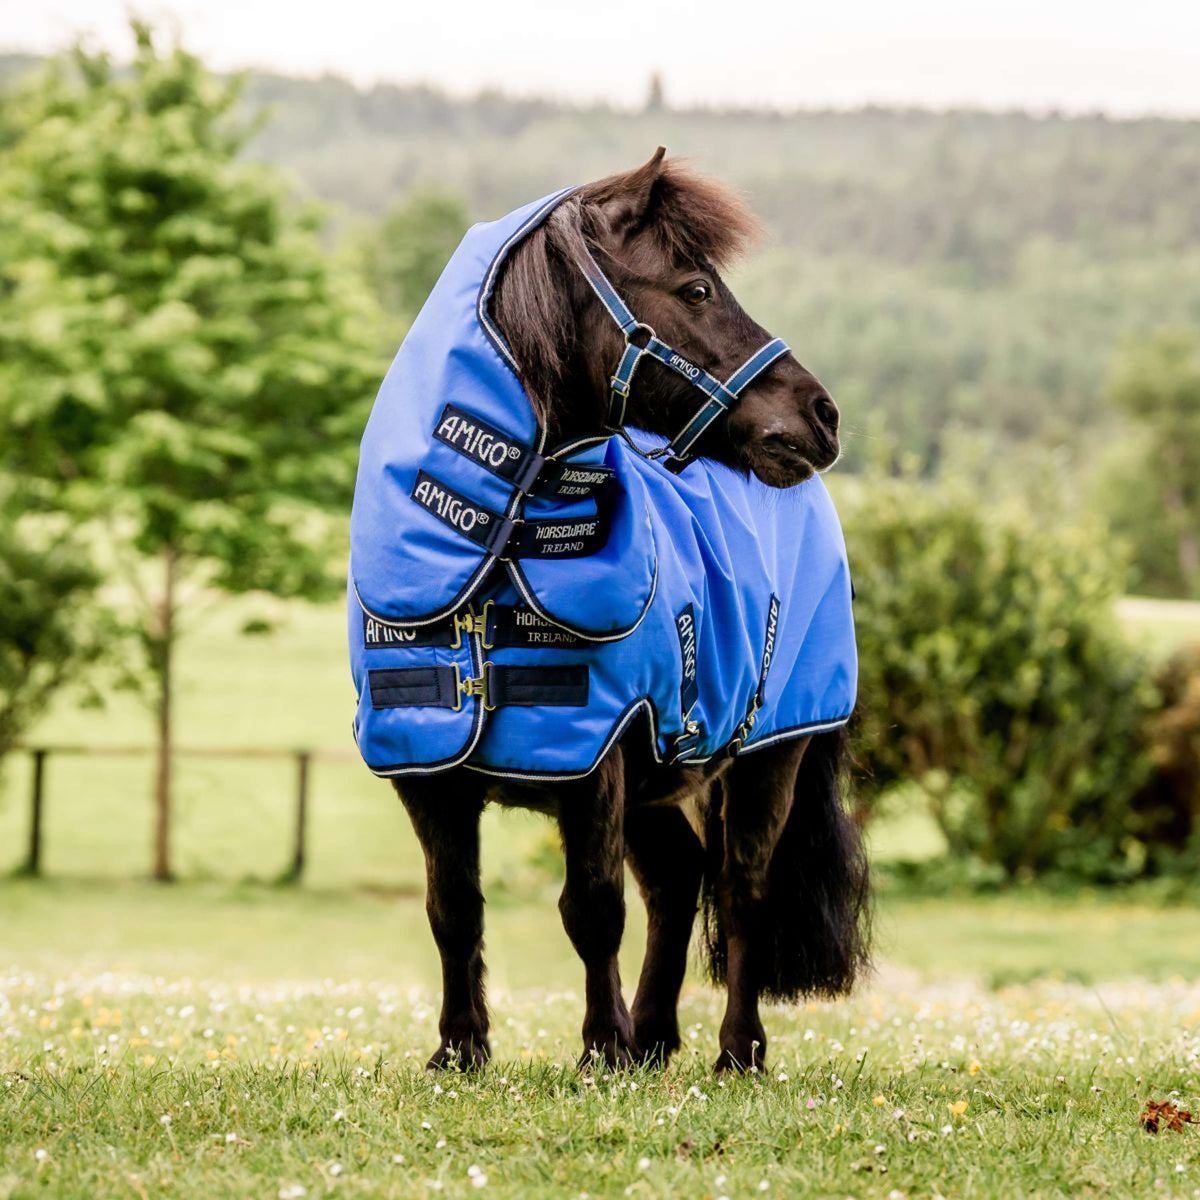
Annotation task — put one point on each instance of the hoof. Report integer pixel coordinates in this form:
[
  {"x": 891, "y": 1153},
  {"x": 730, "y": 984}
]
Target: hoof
[
  {"x": 740, "y": 1061},
  {"x": 655, "y": 1045},
  {"x": 464, "y": 1056},
  {"x": 609, "y": 1043},
  {"x": 614, "y": 1049},
  {"x": 615, "y": 1055}
]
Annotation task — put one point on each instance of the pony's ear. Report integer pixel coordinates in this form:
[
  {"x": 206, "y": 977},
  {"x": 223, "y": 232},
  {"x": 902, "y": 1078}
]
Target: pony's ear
[{"x": 628, "y": 199}]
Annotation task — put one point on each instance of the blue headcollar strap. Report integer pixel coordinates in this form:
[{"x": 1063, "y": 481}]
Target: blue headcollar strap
[{"x": 720, "y": 396}]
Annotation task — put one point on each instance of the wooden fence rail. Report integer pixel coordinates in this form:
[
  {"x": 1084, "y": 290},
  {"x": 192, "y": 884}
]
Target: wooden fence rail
[{"x": 302, "y": 758}]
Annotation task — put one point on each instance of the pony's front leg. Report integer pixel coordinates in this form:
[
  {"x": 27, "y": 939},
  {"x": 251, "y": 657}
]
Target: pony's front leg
[
  {"x": 593, "y": 904},
  {"x": 667, "y": 859},
  {"x": 446, "y": 820},
  {"x": 759, "y": 794}
]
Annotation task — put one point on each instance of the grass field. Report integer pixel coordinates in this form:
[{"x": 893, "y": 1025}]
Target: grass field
[
  {"x": 217, "y": 1040},
  {"x": 227, "y": 1038}
]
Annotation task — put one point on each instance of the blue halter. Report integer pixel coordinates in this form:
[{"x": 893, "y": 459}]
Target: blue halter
[{"x": 721, "y": 396}]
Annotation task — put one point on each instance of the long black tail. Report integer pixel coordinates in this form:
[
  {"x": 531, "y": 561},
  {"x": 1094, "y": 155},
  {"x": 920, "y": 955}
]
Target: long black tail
[{"x": 815, "y": 925}]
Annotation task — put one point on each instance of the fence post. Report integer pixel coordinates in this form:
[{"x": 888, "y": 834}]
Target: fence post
[
  {"x": 303, "y": 758},
  {"x": 33, "y": 864}
]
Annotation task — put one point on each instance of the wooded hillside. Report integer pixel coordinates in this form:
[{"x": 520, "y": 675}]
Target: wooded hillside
[{"x": 946, "y": 274}]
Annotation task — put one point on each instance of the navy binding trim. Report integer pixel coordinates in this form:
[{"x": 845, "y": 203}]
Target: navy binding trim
[{"x": 517, "y": 576}]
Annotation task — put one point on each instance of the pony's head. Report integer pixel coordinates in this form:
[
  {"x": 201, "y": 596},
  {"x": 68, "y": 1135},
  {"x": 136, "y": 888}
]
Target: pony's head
[{"x": 661, "y": 235}]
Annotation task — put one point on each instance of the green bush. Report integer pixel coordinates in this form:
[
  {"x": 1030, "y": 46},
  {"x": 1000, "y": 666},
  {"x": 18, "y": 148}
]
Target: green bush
[
  {"x": 1168, "y": 805},
  {"x": 994, "y": 676}
]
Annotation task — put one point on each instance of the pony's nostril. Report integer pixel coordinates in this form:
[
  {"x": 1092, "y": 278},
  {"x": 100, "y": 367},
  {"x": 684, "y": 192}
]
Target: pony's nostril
[{"x": 826, "y": 412}]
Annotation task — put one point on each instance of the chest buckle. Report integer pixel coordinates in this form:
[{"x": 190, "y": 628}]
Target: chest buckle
[
  {"x": 472, "y": 624},
  {"x": 472, "y": 686}
]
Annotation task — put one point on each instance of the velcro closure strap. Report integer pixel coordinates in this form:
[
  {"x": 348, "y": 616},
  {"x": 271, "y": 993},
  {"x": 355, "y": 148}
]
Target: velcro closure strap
[
  {"x": 530, "y": 687},
  {"x": 504, "y": 537},
  {"x": 499, "y": 686},
  {"x": 414, "y": 687}
]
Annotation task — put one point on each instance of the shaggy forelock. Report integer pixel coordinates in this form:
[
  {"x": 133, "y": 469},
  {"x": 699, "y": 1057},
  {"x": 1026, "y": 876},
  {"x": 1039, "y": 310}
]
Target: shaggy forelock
[
  {"x": 687, "y": 220},
  {"x": 690, "y": 219}
]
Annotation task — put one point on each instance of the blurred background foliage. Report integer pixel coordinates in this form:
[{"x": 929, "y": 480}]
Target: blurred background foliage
[
  {"x": 1006, "y": 307},
  {"x": 995, "y": 678}
]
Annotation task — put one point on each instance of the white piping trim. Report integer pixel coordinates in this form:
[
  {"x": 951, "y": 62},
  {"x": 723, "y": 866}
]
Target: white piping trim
[
  {"x": 463, "y": 597},
  {"x": 580, "y": 443},
  {"x": 618, "y": 729},
  {"x": 497, "y": 339},
  {"x": 489, "y": 281},
  {"x": 795, "y": 732}
]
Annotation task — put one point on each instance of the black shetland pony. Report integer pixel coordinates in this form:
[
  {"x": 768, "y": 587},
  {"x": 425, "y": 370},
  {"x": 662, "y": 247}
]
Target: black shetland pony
[{"x": 764, "y": 838}]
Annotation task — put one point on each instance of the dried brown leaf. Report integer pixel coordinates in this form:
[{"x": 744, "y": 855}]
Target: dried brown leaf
[{"x": 1165, "y": 1112}]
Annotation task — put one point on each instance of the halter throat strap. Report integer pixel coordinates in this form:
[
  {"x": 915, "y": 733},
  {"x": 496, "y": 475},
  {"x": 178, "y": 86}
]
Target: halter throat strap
[{"x": 641, "y": 341}]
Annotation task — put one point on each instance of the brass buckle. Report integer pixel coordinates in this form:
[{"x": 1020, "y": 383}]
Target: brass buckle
[
  {"x": 479, "y": 685},
  {"x": 472, "y": 624}
]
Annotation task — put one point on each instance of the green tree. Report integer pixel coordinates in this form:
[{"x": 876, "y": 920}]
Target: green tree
[
  {"x": 1157, "y": 384},
  {"x": 49, "y": 631},
  {"x": 405, "y": 253},
  {"x": 176, "y": 353}
]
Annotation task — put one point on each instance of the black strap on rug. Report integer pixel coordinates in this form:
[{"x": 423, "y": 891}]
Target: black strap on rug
[
  {"x": 501, "y": 625},
  {"x": 507, "y": 457},
  {"x": 760, "y": 693},
  {"x": 415, "y": 687},
  {"x": 506, "y": 537},
  {"x": 498, "y": 686}
]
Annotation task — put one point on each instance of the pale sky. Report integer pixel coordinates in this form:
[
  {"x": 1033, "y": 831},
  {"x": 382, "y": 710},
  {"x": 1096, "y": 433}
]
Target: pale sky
[{"x": 1122, "y": 58}]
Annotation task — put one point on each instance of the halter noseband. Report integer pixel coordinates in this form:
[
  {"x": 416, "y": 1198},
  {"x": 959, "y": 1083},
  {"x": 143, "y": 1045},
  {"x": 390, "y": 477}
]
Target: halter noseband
[{"x": 720, "y": 396}]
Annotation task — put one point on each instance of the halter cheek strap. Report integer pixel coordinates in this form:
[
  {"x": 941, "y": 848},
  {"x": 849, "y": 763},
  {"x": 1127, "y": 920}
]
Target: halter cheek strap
[{"x": 720, "y": 396}]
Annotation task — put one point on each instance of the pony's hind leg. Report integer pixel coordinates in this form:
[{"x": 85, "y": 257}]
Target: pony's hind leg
[
  {"x": 446, "y": 820},
  {"x": 667, "y": 860},
  {"x": 593, "y": 904}
]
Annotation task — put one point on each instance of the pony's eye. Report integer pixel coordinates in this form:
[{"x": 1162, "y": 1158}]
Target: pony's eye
[{"x": 696, "y": 293}]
